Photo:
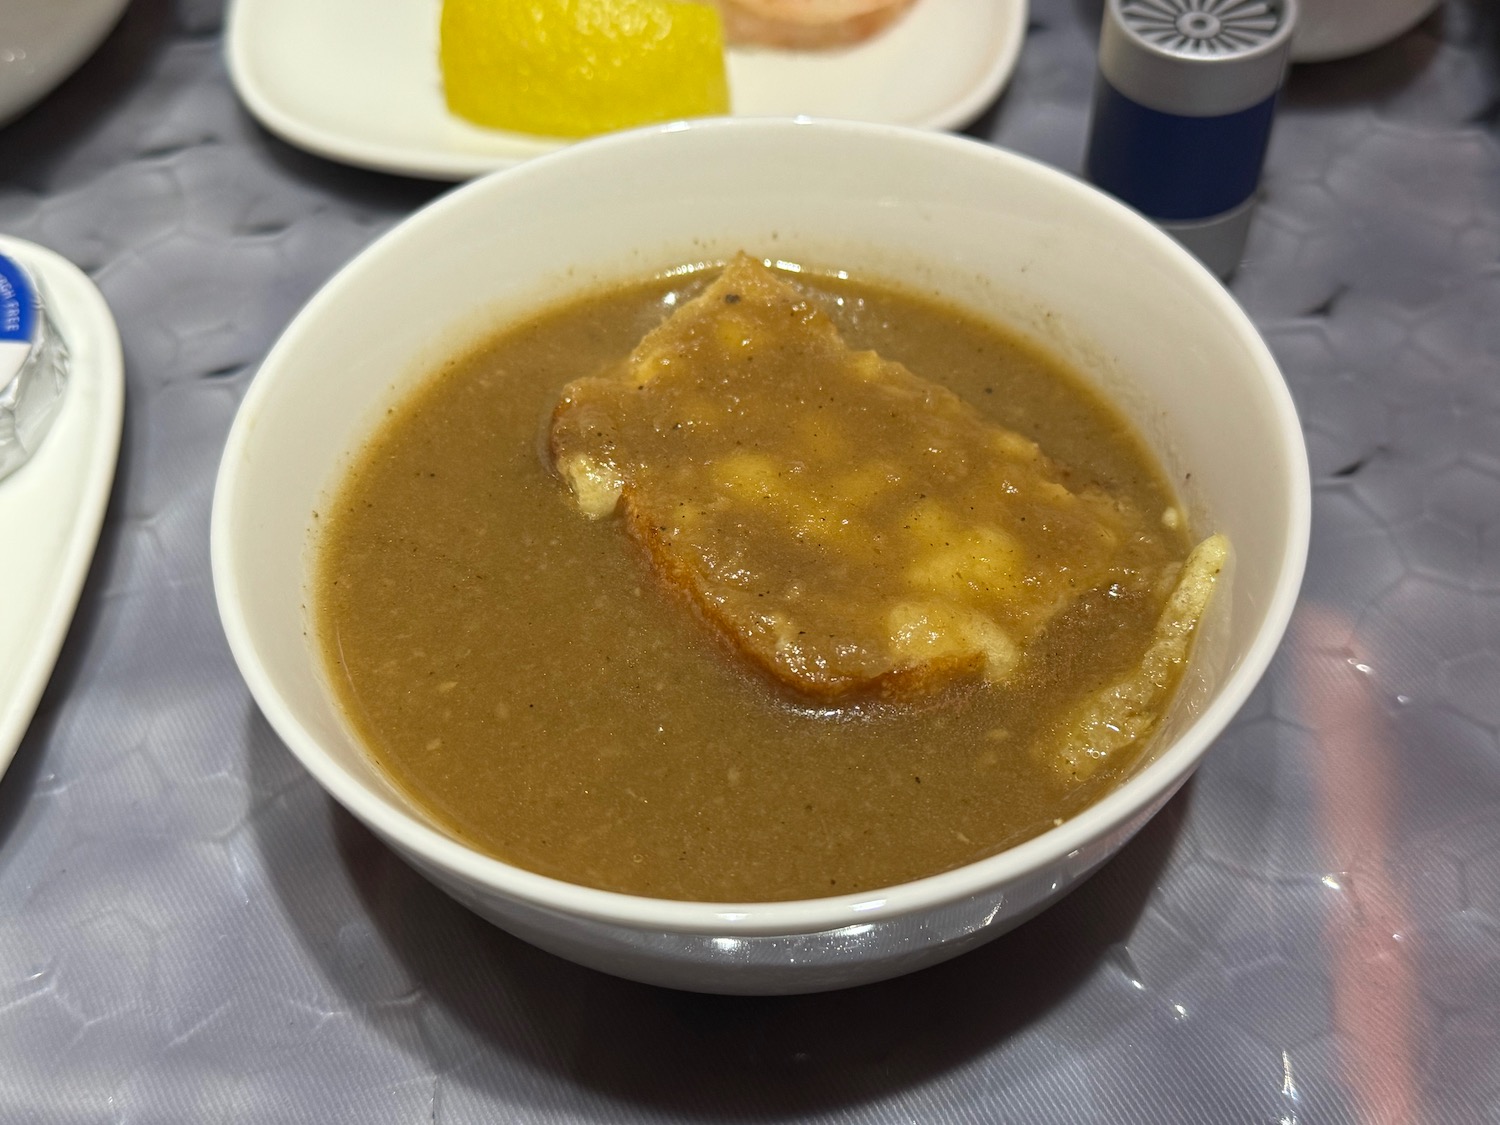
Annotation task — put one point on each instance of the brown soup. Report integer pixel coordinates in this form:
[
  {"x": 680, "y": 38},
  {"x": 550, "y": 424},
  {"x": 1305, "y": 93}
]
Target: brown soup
[{"x": 518, "y": 672}]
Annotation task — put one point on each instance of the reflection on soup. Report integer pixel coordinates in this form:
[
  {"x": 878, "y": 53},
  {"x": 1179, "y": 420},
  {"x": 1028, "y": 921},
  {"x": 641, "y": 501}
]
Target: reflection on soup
[{"x": 837, "y": 621}]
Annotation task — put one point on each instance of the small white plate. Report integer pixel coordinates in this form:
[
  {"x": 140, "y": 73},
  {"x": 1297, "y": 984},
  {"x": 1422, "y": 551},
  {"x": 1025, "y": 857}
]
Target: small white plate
[
  {"x": 51, "y": 508},
  {"x": 358, "y": 80}
]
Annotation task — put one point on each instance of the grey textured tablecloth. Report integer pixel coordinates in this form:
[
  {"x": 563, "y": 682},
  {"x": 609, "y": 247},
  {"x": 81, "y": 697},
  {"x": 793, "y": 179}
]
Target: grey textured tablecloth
[{"x": 190, "y": 931}]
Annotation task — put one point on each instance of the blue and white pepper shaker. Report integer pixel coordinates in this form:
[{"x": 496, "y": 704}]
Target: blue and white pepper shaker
[{"x": 1182, "y": 113}]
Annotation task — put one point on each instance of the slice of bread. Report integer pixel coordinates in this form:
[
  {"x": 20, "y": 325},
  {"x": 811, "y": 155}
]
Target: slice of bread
[{"x": 849, "y": 527}]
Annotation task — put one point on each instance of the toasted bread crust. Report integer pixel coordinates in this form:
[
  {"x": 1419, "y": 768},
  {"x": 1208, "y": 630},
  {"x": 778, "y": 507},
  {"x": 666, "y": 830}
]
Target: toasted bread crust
[{"x": 900, "y": 684}]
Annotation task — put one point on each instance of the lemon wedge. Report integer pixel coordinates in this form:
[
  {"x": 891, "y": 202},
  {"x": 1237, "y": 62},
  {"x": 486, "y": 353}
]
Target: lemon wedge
[{"x": 572, "y": 68}]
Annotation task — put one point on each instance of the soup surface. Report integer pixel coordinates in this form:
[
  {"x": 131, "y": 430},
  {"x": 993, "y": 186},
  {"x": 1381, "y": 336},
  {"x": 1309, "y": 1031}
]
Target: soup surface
[{"x": 524, "y": 675}]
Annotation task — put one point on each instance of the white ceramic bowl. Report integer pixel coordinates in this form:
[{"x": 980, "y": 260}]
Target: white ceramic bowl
[
  {"x": 992, "y": 231},
  {"x": 1336, "y": 29},
  {"x": 44, "y": 41}
]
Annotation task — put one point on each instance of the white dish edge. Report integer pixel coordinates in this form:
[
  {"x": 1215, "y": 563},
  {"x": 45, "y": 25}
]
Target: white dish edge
[
  {"x": 52, "y": 508},
  {"x": 440, "y": 163}
]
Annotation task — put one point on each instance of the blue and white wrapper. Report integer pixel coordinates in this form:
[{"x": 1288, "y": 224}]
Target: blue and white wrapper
[{"x": 33, "y": 366}]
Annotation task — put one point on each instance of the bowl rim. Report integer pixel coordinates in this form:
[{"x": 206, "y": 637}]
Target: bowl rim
[{"x": 1152, "y": 784}]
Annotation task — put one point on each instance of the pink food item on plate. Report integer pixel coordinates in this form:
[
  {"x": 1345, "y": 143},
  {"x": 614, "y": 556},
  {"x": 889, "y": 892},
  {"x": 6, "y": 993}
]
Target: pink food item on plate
[{"x": 807, "y": 24}]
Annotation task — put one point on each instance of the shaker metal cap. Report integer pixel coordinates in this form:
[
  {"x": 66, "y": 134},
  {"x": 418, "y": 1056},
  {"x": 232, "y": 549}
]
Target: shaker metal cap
[{"x": 1196, "y": 58}]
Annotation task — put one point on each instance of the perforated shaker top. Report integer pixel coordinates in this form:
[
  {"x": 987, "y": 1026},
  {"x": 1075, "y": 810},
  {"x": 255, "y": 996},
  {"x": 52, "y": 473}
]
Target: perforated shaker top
[{"x": 1196, "y": 58}]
